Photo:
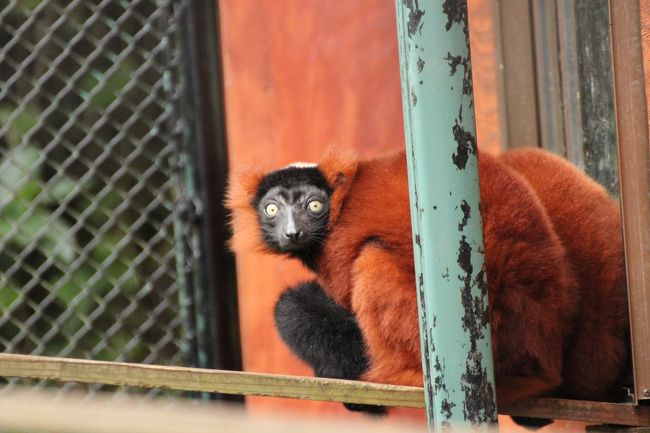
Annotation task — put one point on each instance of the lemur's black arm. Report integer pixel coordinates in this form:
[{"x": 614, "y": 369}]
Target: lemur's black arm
[
  {"x": 323, "y": 334},
  {"x": 320, "y": 332}
]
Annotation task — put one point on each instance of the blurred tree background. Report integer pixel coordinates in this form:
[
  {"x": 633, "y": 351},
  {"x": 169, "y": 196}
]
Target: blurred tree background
[{"x": 87, "y": 182}]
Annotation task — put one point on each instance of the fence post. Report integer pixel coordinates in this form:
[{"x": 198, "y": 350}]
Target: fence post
[
  {"x": 448, "y": 245},
  {"x": 214, "y": 279}
]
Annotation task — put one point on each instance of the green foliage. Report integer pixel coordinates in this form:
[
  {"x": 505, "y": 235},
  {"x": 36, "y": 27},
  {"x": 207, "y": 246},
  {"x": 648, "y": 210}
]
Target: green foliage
[
  {"x": 23, "y": 223},
  {"x": 106, "y": 87},
  {"x": 17, "y": 124},
  {"x": 29, "y": 5},
  {"x": 8, "y": 296}
]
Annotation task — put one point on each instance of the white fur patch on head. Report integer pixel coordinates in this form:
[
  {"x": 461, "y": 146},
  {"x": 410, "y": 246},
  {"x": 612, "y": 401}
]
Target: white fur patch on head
[{"x": 302, "y": 165}]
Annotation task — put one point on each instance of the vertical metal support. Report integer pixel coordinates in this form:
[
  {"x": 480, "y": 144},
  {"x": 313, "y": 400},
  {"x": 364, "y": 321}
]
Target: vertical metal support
[
  {"x": 634, "y": 168},
  {"x": 171, "y": 82},
  {"x": 597, "y": 92},
  {"x": 549, "y": 86},
  {"x": 570, "y": 102},
  {"x": 588, "y": 88},
  {"x": 215, "y": 290},
  {"x": 443, "y": 181},
  {"x": 518, "y": 74}
]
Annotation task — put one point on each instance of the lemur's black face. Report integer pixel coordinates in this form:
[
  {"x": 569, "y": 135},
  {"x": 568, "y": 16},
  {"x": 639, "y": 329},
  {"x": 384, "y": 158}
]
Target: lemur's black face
[
  {"x": 293, "y": 209},
  {"x": 294, "y": 218}
]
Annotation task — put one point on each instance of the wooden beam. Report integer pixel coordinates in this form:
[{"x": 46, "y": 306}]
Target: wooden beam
[
  {"x": 203, "y": 380},
  {"x": 587, "y": 411}
]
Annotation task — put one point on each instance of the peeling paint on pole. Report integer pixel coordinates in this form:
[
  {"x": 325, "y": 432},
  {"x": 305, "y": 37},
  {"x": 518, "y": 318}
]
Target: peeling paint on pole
[{"x": 448, "y": 245}]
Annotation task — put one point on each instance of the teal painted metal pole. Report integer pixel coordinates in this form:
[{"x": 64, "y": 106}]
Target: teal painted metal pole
[{"x": 448, "y": 242}]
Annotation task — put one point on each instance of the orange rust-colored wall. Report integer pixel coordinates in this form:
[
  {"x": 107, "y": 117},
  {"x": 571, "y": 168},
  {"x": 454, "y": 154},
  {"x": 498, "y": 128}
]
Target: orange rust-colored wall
[{"x": 299, "y": 76}]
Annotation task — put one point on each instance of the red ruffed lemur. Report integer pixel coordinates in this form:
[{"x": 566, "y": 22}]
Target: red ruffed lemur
[{"x": 553, "y": 258}]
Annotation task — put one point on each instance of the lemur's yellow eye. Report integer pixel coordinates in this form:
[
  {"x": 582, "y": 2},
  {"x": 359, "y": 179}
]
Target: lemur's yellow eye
[
  {"x": 315, "y": 206},
  {"x": 271, "y": 210}
]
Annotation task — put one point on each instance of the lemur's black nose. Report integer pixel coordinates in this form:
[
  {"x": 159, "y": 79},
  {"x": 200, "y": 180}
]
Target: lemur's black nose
[{"x": 294, "y": 236}]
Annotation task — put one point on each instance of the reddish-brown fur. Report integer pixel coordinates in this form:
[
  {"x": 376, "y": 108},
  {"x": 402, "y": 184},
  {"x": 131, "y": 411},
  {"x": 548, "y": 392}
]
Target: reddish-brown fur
[
  {"x": 589, "y": 223},
  {"x": 554, "y": 262}
]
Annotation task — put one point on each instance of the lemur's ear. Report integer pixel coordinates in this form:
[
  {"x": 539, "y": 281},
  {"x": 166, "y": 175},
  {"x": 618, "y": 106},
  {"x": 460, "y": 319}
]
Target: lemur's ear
[
  {"x": 242, "y": 188},
  {"x": 339, "y": 168}
]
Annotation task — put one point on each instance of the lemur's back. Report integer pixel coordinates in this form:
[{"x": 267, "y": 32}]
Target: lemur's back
[{"x": 588, "y": 222}]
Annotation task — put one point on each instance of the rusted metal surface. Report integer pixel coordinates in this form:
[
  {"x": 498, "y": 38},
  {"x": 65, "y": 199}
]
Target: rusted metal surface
[
  {"x": 634, "y": 167},
  {"x": 448, "y": 246}
]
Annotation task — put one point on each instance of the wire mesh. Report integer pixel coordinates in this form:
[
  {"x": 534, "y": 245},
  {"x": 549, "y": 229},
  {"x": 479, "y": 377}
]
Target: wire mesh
[{"x": 88, "y": 155}]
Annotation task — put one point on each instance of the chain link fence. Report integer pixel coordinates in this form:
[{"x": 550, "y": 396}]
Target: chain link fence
[{"x": 89, "y": 182}]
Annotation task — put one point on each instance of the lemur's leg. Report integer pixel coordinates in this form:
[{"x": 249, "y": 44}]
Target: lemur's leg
[
  {"x": 385, "y": 304},
  {"x": 323, "y": 334}
]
